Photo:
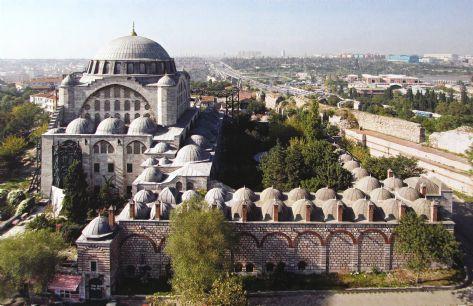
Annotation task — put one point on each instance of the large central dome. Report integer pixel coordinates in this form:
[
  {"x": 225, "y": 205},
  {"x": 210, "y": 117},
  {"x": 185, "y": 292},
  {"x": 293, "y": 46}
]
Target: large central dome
[{"x": 132, "y": 48}]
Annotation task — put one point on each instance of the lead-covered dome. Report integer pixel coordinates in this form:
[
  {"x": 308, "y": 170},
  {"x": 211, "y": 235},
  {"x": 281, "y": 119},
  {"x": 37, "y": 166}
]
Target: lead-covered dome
[
  {"x": 244, "y": 194},
  {"x": 132, "y": 48},
  {"x": 189, "y": 153},
  {"x": 151, "y": 174},
  {"x": 299, "y": 209},
  {"x": 98, "y": 228},
  {"x": 215, "y": 196},
  {"x": 298, "y": 194},
  {"x": 324, "y": 194},
  {"x": 270, "y": 193},
  {"x": 110, "y": 126},
  {"x": 144, "y": 196},
  {"x": 142, "y": 126},
  {"x": 80, "y": 126}
]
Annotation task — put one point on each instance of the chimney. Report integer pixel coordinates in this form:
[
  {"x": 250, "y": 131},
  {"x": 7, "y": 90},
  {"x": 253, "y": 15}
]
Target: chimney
[
  {"x": 132, "y": 210},
  {"x": 423, "y": 189},
  {"x": 434, "y": 212},
  {"x": 390, "y": 173},
  {"x": 157, "y": 209},
  {"x": 307, "y": 213},
  {"x": 275, "y": 212},
  {"x": 244, "y": 212},
  {"x": 340, "y": 212},
  {"x": 371, "y": 212},
  {"x": 402, "y": 210},
  {"x": 111, "y": 217}
]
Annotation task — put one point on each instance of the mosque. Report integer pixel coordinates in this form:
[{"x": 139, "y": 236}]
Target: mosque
[{"x": 128, "y": 118}]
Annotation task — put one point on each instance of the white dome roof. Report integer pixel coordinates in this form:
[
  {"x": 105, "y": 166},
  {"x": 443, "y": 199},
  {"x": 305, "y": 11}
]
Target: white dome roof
[
  {"x": 330, "y": 209},
  {"x": 110, "y": 126},
  {"x": 351, "y": 195},
  {"x": 149, "y": 162},
  {"x": 161, "y": 147},
  {"x": 408, "y": 193},
  {"x": 351, "y": 164},
  {"x": 215, "y": 196},
  {"x": 142, "y": 126},
  {"x": 80, "y": 126},
  {"x": 393, "y": 183},
  {"x": 297, "y": 194},
  {"x": 144, "y": 196},
  {"x": 244, "y": 194},
  {"x": 189, "y": 153},
  {"x": 188, "y": 195},
  {"x": 390, "y": 209},
  {"x": 97, "y": 228},
  {"x": 164, "y": 161},
  {"x": 167, "y": 196},
  {"x": 380, "y": 194},
  {"x": 367, "y": 184},
  {"x": 299, "y": 209},
  {"x": 345, "y": 157},
  {"x": 132, "y": 48},
  {"x": 197, "y": 140},
  {"x": 360, "y": 209},
  {"x": 421, "y": 207},
  {"x": 267, "y": 210},
  {"x": 165, "y": 211},
  {"x": 166, "y": 80},
  {"x": 324, "y": 194},
  {"x": 417, "y": 182},
  {"x": 359, "y": 173},
  {"x": 270, "y": 193},
  {"x": 151, "y": 174}
]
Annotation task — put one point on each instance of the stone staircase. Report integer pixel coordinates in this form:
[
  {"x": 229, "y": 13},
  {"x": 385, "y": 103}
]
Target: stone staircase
[{"x": 56, "y": 118}]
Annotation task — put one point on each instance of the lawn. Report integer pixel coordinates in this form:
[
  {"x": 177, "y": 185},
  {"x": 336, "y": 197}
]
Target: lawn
[{"x": 16, "y": 184}]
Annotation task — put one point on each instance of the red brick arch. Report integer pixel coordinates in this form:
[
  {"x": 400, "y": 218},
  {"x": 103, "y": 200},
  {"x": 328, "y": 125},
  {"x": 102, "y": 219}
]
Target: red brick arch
[
  {"x": 373, "y": 230},
  {"x": 353, "y": 239},
  {"x": 253, "y": 237},
  {"x": 156, "y": 248},
  {"x": 289, "y": 241},
  {"x": 296, "y": 240}
]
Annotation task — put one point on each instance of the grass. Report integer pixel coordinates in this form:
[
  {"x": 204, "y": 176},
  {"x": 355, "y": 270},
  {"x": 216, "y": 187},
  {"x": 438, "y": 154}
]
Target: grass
[
  {"x": 463, "y": 196},
  {"x": 16, "y": 184}
]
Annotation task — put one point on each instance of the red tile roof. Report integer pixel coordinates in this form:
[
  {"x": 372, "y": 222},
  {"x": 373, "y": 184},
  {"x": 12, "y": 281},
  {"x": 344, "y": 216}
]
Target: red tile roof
[{"x": 65, "y": 282}]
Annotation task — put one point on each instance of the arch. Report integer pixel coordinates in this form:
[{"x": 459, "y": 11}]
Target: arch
[
  {"x": 103, "y": 147},
  {"x": 137, "y": 115},
  {"x": 116, "y": 105},
  {"x": 250, "y": 235},
  {"x": 371, "y": 250},
  {"x": 308, "y": 232},
  {"x": 135, "y": 147},
  {"x": 157, "y": 248},
  {"x": 127, "y": 105},
  {"x": 246, "y": 250},
  {"x": 138, "y": 92},
  {"x": 189, "y": 186},
  {"x": 179, "y": 186},
  {"x": 339, "y": 251},
  {"x": 289, "y": 241},
  {"x": 332, "y": 233},
  {"x": 373, "y": 230}
]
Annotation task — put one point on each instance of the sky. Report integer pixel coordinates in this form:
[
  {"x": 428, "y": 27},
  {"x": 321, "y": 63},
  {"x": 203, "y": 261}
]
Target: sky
[{"x": 78, "y": 29}]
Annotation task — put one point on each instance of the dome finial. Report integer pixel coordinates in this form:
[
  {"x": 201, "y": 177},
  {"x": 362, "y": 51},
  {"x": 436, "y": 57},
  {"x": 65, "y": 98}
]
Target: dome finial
[{"x": 133, "y": 33}]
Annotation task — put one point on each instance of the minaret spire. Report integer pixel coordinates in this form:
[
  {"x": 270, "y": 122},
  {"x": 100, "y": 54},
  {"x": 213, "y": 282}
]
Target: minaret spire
[{"x": 133, "y": 33}]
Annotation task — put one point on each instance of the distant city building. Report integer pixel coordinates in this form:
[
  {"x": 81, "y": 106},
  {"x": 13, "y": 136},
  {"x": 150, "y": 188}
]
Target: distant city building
[
  {"x": 412, "y": 59},
  {"x": 44, "y": 83},
  {"x": 248, "y": 54},
  {"x": 388, "y": 79},
  {"x": 45, "y": 100},
  {"x": 445, "y": 57},
  {"x": 283, "y": 53}
]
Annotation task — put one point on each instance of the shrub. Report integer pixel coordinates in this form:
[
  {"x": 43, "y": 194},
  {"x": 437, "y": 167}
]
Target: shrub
[
  {"x": 25, "y": 206},
  {"x": 14, "y": 197}
]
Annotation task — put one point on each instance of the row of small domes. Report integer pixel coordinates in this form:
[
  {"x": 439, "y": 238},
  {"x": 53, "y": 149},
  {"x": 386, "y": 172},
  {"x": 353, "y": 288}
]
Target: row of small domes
[{"x": 109, "y": 126}]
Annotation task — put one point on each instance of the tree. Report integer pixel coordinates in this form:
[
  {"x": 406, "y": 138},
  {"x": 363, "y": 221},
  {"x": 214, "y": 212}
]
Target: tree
[
  {"x": 256, "y": 107},
  {"x": 273, "y": 167},
  {"x": 402, "y": 166},
  {"x": 11, "y": 150},
  {"x": 227, "y": 291},
  {"x": 424, "y": 244},
  {"x": 29, "y": 259},
  {"x": 76, "y": 200},
  {"x": 199, "y": 242}
]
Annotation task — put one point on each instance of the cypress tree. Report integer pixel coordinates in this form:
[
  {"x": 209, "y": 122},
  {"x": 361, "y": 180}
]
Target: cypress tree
[{"x": 76, "y": 196}]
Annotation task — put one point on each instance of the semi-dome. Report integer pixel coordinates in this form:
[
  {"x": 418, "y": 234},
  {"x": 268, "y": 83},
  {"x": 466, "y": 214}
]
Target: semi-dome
[
  {"x": 166, "y": 81},
  {"x": 298, "y": 194},
  {"x": 359, "y": 173},
  {"x": 149, "y": 162},
  {"x": 360, "y": 209},
  {"x": 189, "y": 153},
  {"x": 188, "y": 195},
  {"x": 345, "y": 157},
  {"x": 421, "y": 207},
  {"x": 144, "y": 196},
  {"x": 380, "y": 194},
  {"x": 408, "y": 193},
  {"x": 132, "y": 48},
  {"x": 244, "y": 194},
  {"x": 267, "y": 210},
  {"x": 351, "y": 164},
  {"x": 151, "y": 174},
  {"x": 167, "y": 196},
  {"x": 215, "y": 196},
  {"x": 324, "y": 194},
  {"x": 98, "y": 228},
  {"x": 160, "y": 147},
  {"x": 330, "y": 209},
  {"x": 299, "y": 209},
  {"x": 237, "y": 209},
  {"x": 270, "y": 193},
  {"x": 393, "y": 183},
  {"x": 110, "y": 126},
  {"x": 350, "y": 195},
  {"x": 390, "y": 208},
  {"x": 417, "y": 182},
  {"x": 197, "y": 140},
  {"x": 80, "y": 126},
  {"x": 165, "y": 211},
  {"x": 142, "y": 126},
  {"x": 367, "y": 184}
]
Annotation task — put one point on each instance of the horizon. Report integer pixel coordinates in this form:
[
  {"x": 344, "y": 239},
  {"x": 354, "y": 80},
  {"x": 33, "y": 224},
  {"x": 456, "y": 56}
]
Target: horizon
[{"x": 377, "y": 27}]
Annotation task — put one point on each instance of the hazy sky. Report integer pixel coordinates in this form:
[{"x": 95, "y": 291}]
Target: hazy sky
[{"x": 77, "y": 29}]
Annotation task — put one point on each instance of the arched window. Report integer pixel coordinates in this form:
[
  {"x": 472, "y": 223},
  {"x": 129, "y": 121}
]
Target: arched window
[
  {"x": 97, "y": 118},
  {"x": 116, "y": 105},
  {"x": 152, "y": 68},
  {"x": 106, "y": 68},
  {"x": 107, "y": 115},
  {"x": 97, "y": 105},
  {"x": 106, "y": 106},
  {"x": 117, "y": 115},
  {"x": 96, "y": 68},
  {"x": 301, "y": 265},
  {"x": 249, "y": 267},
  {"x": 129, "y": 68},
  {"x": 118, "y": 68},
  {"x": 178, "y": 186},
  {"x": 137, "y": 115},
  {"x": 116, "y": 92},
  {"x": 127, "y": 118},
  {"x": 137, "y": 105},
  {"x": 238, "y": 267},
  {"x": 135, "y": 147},
  {"x": 136, "y": 68},
  {"x": 126, "y": 92},
  {"x": 146, "y": 115},
  {"x": 127, "y": 105},
  {"x": 103, "y": 147},
  {"x": 87, "y": 116},
  {"x": 190, "y": 186},
  {"x": 142, "y": 68}
]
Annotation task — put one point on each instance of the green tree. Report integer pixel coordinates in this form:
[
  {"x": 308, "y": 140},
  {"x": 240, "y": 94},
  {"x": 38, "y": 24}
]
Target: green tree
[
  {"x": 273, "y": 167},
  {"x": 29, "y": 259},
  {"x": 402, "y": 166},
  {"x": 76, "y": 201},
  {"x": 227, "y": 291},
  {"x": 256, "y": 107},
  {"x": 199, "y": 242},
  {"x": 11, "y": 150},
  {"x": 424, "y": 244}
]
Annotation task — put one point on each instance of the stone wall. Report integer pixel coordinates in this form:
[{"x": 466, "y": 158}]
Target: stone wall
[{"x": 458, "y": 140}]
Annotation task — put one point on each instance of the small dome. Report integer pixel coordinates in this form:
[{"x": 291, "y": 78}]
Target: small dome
[
  {"x": 164, "y": 161},
  {"x": 151, "y": 174},
  {"x": 215, "y": 196},
  {"x": 418, "y": 182},
  {"x": 351, "y": 195},
  {"x": 380, "y": 194},
  {"x": 359, "y": 173},
  {"x": 408, "y": 193},
  {"x": 299, "y": 209},
  {"x": 160, "y": 147},
  {"x": 142, "y": 211},
  {"x": 351, "y": 164},
  {"x": 110, "y": 126},
  {"x": 390, "y": 208},
  {"x": 188, "y": 195},
  {"x": 142, "y": 126},
  {"x": 298, "y": 194},
  {"x": 197, "y": 140},
  {"x": 267, "y": 210},
  {"x": 165, "y": 211},
  {"x": 189, "y": 153},
  {"x": 67, "y": 81},
  {"x": 144, "y": 196},
  {"x": 97, "y": 228},
  {"x": 149, "y": 162},
  {"x": 324, "y": 194},
  {"x": 167, "y": 196},
  {"x": 80, "y": 126},
  {"x": 166, "y": 81},
  {"x": 244, "y": 194},
  {"x": 237, "y": 209},
  {"x": 360, "y": 209},
  {"x": 367, "y": 184},
  {"x": 392, "y": 183},
  {"x": 421, "y": 207},
  {"x": 345, "y": 157},
  {"x": 270, "y": 193},
  {"x": 330, "y": 209}
]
